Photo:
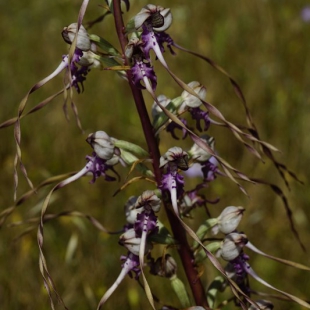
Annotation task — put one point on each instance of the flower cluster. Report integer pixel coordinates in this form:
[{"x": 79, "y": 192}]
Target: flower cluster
[{"x": 167, "y": 174}]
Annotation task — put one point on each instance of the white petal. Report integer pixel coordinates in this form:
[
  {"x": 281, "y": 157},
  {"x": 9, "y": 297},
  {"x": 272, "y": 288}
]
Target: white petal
[
  {"x": 140, "y": 18},
  {"x": 167, "y": 20}
]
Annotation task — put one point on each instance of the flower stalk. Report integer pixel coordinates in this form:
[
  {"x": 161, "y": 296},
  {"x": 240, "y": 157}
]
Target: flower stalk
[{"x": 179, "y": 233}]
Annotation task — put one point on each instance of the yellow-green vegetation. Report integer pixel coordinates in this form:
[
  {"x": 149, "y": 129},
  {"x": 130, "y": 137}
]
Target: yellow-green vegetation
[{"x": 264, "y": 45}]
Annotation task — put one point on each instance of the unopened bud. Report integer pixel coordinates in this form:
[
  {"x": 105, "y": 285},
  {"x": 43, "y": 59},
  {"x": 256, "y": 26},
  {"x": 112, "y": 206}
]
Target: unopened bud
[
  {"x": 83, "y": 42},
  {"x": 130, "y": 210},
  {"x": 199, "y": 154},
  {"x": 113, "y": 161},
  {"x": 132, "y": 46},
  {"x": 89, "y": 59},
  {"x": 229, "y": 219},
  {"x": 102, "y": 144},
  {"x": 232, "y": 246},
  {"x": 165, "y": 267},
  {"x": 191, "y": 100},
  {"x": 156, "y": 109}
]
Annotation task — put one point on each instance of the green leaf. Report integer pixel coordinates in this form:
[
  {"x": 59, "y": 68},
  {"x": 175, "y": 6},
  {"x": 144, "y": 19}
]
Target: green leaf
[
  {"x": 163, "y": 236},
  {"x": 104, "y": 45},
  {"x": 203, "y": 229},
  {"x": 111, "y": 62},
  {"x": 216, "y": 286},
  {"x": 108, "y": 61},
  {"x": 130, "y": 27},
  {"x": 162, "y": 118},
  {"x": 211, "y": 247},
  {"x": 180, "y": 291},
  {"x": 131, "y": 147},
  {"x": 131, "y": 159}
]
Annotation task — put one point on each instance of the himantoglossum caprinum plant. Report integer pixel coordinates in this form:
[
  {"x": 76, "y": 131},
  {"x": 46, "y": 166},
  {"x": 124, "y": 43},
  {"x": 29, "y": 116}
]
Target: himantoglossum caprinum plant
[{"x": 188, "y": 116}]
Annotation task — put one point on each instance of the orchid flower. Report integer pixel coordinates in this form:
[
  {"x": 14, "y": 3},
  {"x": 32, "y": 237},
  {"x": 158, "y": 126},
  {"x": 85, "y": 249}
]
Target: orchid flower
[
  {"x": 104, "y": 157},
  {"x": 142, "y": 70},
  {"x": 175, "y": 158},
  {"x": 238, "y": 267},
  {"x": 131, "y": 264},
  {"x": 207, "y": 161},
  {"x": 241, "y": 268},
  {"x": 82, "y": 60},
  {"x": 146, "y": 219},
  {"x": 154, "y": 20},
  {"x": 95, "y": 166}
]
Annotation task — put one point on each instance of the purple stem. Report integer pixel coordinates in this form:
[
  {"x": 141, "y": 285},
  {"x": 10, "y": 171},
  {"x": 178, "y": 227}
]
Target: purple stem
[{"x": 179, "y": 233}]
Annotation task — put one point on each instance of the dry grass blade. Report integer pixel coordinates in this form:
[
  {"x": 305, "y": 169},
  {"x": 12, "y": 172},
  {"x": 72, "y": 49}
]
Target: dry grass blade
[
  {"x": 141, "y": 259},
  {"x": 76, "y": 114},
  {"x": 280, "y": 260},
  {"x": 48, "y": 281},
  {"x": 135, "y": 179},
  {"x": 17, "y": 128},
  {"x": 8, "y": 122},
  {"x": 99, "y": 19},
  {"x": 8, "y": 211},
  {"x": 43, "y": 103},
  {"x": 279, "y": 166},
  {"x": 279, "y": 297},
  {"x": 291, "y": 297},
  {"x": 39, "y": 106},
  {"x": 288, "y": 210},
  {"x": 49, "y": 217}
]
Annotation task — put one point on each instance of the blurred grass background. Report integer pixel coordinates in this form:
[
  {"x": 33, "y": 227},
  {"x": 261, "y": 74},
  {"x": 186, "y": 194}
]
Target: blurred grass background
[{"x": 264, "y": 45}]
